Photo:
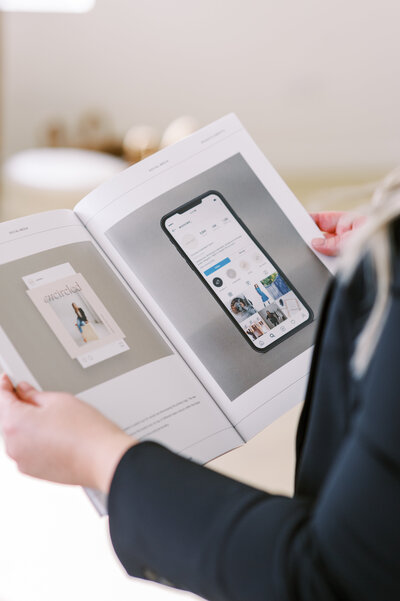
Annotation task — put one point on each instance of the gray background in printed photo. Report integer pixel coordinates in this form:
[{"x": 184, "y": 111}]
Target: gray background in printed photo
[
  {"x": 187, "y": 302},
  {"x": 40, "y": 349}
]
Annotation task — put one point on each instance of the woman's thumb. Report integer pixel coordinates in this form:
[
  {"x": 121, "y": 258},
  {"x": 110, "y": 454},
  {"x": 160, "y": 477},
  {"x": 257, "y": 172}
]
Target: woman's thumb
[{"x": 27, "y": 393}]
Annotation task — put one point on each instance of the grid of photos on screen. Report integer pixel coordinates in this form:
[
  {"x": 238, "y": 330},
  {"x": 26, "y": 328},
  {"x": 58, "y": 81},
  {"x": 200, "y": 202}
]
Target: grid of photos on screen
[{"x": 267, "y": 306}]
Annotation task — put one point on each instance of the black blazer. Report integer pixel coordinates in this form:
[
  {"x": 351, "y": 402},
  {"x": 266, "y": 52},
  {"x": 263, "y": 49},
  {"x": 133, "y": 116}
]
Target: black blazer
[
  {"x": 338, "y": 538},
  {"x": 81, "y": 314}
]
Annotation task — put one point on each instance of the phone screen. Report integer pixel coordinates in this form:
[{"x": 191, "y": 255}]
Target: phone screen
[{"x": 240, "y": 274}]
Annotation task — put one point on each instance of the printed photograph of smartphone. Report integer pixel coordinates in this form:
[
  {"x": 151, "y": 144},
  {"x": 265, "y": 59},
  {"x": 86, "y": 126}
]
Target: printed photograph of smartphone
[{"x": 246, "y": 282}]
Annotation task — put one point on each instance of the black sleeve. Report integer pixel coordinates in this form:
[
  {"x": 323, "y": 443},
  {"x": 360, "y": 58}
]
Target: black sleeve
[{"x": 176, "y": 522}]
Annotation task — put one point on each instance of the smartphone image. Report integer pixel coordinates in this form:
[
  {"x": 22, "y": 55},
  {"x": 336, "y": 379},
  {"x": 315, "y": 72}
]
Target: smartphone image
[{"x": 245, "y": 281}]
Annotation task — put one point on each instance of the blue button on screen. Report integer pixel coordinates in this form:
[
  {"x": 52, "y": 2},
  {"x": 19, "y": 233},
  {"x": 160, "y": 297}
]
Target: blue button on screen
[{"x": 217, "y": 266}]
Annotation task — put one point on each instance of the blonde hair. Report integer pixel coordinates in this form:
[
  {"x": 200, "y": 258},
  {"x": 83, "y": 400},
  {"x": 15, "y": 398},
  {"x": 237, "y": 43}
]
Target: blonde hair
[{"x": 373, "y": 239}]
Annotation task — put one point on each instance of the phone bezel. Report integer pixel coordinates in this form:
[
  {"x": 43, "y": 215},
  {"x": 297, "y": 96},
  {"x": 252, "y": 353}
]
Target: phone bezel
[{"x": 192, "y": 203}]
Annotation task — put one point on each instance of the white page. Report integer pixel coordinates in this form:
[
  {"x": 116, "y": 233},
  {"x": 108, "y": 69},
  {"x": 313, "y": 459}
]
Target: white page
[
  {"x": 124, "y": 215},
  {"x": 48, "y": 262}
]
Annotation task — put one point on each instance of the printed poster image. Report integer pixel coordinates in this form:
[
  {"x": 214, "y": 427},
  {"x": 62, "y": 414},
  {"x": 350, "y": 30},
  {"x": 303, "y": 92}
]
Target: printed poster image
[{"x": 77, "y": 317}]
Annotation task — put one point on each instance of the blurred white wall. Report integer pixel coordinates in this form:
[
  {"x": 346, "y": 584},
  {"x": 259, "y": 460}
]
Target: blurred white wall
[{"x": 316, "y": 83}]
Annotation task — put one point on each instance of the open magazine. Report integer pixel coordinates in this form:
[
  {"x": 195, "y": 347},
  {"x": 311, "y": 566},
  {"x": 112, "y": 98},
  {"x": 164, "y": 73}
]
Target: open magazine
[{"x": 180, "y": 298}]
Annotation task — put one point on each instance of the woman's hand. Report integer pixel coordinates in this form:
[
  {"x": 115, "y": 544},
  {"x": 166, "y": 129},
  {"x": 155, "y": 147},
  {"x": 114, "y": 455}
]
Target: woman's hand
[
  {"x": 55, "y": 436},
  {"x": 336, "y": 227}
]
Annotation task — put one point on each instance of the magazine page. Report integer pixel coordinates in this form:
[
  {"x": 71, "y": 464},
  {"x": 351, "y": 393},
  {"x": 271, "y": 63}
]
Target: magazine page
[
  {"x": 218, "y": 249},
  {"x": 69, "y": 322}
]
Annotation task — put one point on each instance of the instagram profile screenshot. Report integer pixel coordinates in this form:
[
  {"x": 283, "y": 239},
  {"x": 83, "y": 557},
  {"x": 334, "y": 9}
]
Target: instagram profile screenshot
[{"x": 241, "y": 276}]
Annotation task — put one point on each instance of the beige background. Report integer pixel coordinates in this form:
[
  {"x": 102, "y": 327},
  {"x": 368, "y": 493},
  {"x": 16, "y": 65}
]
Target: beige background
[{"x": 316, "y": 83}]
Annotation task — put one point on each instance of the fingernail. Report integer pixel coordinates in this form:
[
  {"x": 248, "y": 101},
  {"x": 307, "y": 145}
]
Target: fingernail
[
  {"x": 318, "y": 242},
  {"x": 24, "y": 386}
]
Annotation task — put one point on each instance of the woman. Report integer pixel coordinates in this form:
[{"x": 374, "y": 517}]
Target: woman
[
  {"x": 264, "y": 297},
  {"x": 273, "y": 318},
  {"x": 81, "y": 319},
  {"x": 243, "y": 307},
  {"x": 338, "y": 537}
]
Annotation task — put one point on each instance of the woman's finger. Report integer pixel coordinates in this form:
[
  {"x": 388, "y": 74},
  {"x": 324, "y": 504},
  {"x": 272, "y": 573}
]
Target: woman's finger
[
  {"x": 327, "y": 221},
  {"x": 7, "y": 396},
  {"x": 329, "y": 246},
  {"x": 5, "y": 383},
  {"x": 27, "y": 393},
  {"x": 345, "y": 223}
]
